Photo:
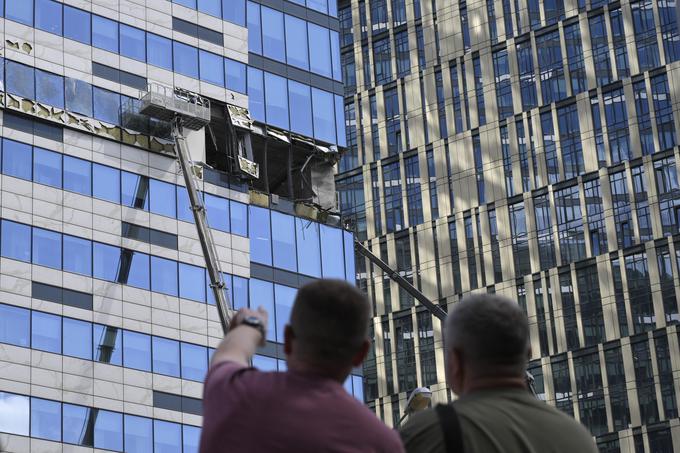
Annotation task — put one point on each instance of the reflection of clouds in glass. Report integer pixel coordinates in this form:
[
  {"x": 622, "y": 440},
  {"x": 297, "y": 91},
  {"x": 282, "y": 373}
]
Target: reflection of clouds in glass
[{"x": 13, "y": 414}]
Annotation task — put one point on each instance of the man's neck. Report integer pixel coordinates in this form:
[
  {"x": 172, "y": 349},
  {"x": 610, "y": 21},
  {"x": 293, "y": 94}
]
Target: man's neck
[
  {"x": 474, "y": 384},
  {"x": 301, "y": 367}
]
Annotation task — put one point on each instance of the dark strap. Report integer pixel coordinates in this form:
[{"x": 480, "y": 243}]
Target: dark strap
[{"x": 448, "y": 419}]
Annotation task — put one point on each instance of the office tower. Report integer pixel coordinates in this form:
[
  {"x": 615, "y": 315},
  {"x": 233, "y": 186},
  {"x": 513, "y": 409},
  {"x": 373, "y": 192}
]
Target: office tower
[
  {"x": 106, "y": 321},
  {"x": 529, "y": 149}
]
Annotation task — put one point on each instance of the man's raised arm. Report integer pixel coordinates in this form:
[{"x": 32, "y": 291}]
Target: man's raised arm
[{"x": 246, "y": 332}]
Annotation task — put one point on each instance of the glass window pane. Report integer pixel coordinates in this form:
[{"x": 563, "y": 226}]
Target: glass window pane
[
  {"x": 47, "y": 167},
  {"x": 162, "y": 197},
  {"x": 284, "y": 297},
  {"x": 273, "y": 40},
  {"x": 106, "y": 262},
  {"x": 108, "y": 344},
  {"x": 106, "y": 105},
  {"x": 77, "y": 175},
  {"x": 135, "y": 191},
  {"x": 276, "y": 93},
  {"x": 76, "y": 425},
  {"x": 264, "y": 363},
  {"x": 358, "y": 388},
  {"x": 350, "y": 271},
  {"x": 319, "y": 5},
  {"x": 300, "y": 108},
  {"x": 16, "y": 241},
  {"x": 48, "y": 16},
  {"x": 49, "y": 88},
  {"x": 77, "y": 24},
  {"x": 138, "y": 274},
  {"x": 320, "y": 50},
  {"x": 16, "y": 159},
  {"x": 340, "y": 120},
  {"x": 211, "y": 67},
  {"x": 331, "y": 250},
  {"x": 324, "y": 119},
  {"x": 167, "y": 437},
  {"x": 165, "y": 356},
  {"x": 191, "y": 280},
  {"x": 212, "y": 7},
  {"x": 234, "y": 11},
  {"x": 239, "y": 218},
  {"x": 78, "y": 96},
  {"x": 239, "y": 292},
  {"x": 138, "y": 434},
  {"x": 191, "y": 438},
  {"x": 14, "y": 413},
  {"x": 132, "y": 42},
  {"x": 106, "y": 183},
  {"x": 136, "y": 350},
  {"x": 20, "y": 11},
  {"x": 163, "y": 276},
  {"x": 185, "y": 59},
  {"x": 183, "y": 206},
  {"x": 45, "y": 419},
  {"x": 46, "y": 332},
  {"x": 194, "y": 362},
  {"x": 77, "y": 255},
  {"x": 260, "y": 236},
  {"x": 335, "y": 55},
  {"x": 14, "y": 325},
  {"x": 108, "y": 430},
  {"x": 254, "y": 28},
  {"x": 283, "y": 239},
  {"x": 20, "y": 79},
  {"x": 159, "y": 50},
  {"x": 105, "y": 33},
  {"x": 256, "y": 93},
  {"x": 297, "y": 51},
  {"x": 46, "y": 248},
  {"x": 236, "y": 75},
  {"x": 262, "y": 295},
  {"x": 308, "y": 247},
  {"x": 78, "y": 338},
  {"x": 217, "y": 210}
]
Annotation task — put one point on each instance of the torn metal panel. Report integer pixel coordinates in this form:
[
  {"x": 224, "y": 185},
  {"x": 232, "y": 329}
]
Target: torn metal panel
[
  {"x": 323, "y": 185},
  {"x": 240, "y": 117},
  {"x": 75, "y": 121},
  {"x": 278, "y": 135}
]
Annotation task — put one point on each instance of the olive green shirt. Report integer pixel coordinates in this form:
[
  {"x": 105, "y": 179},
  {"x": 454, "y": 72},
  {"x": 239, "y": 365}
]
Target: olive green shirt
[{"x": 501, "y": 421}]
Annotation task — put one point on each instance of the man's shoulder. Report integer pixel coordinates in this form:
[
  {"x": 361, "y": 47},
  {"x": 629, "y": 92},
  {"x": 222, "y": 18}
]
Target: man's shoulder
[{"x": 422, "y": 432}]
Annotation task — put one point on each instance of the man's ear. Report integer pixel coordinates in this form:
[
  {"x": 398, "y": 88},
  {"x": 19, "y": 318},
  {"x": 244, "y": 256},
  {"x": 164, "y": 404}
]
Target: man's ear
[
  {"x": 288, "y": 337},
  {"x": 362, "y": 353}
]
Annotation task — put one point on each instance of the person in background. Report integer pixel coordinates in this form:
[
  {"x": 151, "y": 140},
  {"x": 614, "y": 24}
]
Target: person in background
[
  {"x": 487, "y": 349},
  {"x": 306, "y": 408}
]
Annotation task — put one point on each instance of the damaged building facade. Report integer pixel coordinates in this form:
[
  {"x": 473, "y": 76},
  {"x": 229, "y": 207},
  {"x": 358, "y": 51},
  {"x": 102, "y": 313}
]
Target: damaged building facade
[
  {"x": 106, "y": 319},
  {"x": 527, "y": 148}
]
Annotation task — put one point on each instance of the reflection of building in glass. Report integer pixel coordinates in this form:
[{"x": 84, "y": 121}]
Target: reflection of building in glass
[
  {"x": 107, "y": 322},
  {"x": 486, "y": 156}
]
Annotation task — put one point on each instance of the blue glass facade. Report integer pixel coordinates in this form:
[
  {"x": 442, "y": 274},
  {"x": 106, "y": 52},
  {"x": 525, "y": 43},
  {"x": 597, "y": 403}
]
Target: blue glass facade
[{"x": 108, "y": 217}]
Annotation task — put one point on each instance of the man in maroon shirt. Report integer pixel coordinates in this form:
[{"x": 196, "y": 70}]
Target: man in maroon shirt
[{"x": 304, "y": 409}]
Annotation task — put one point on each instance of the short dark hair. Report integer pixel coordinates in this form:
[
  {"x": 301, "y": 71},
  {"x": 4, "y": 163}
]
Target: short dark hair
[
  {"x": 491, "y": 331},
  {"x": 330, "y": 321}
]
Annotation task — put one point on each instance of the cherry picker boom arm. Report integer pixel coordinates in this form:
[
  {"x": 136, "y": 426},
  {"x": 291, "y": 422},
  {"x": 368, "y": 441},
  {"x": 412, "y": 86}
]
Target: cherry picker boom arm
[
  {"x": 186, "y": 110},
  {"x": 436, "y": 310},
  {"x": 204, "y": 233}
]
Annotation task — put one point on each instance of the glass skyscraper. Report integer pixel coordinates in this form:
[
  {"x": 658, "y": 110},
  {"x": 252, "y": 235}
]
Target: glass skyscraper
[
  {"x": 529, "y": 149},
  {"x": 106, "y": 319}
]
